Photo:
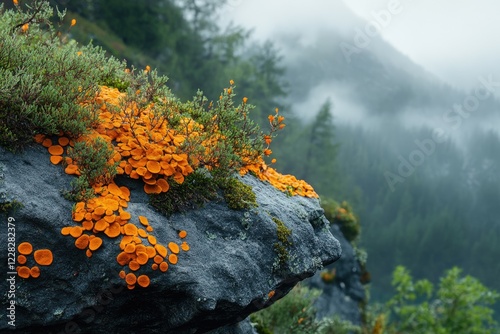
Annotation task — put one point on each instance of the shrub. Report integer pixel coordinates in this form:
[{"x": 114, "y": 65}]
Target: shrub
[
  {"x": 295, "y": 313},
  {"x": 46, "y": 83},
  {"x": 460, "y": 305},
  {"x": 93, "y": 160}
]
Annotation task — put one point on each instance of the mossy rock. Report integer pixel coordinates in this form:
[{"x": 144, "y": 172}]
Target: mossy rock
[{"x": 239, "y": 196}]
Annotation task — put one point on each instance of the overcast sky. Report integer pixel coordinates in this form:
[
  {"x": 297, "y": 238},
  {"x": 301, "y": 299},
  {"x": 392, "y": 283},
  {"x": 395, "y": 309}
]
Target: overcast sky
[{"x": 457, "y": 40}]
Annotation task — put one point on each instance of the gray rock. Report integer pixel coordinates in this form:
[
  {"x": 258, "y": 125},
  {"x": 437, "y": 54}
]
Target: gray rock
[
  {"x": 226, "y": 275},
  {"x": 342, "y": 296}
]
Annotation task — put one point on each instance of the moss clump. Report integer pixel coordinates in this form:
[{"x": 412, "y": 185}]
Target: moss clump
[
  {"x": 239, "y": 196},
  {"x": 6, "y": 207},
  {"x": 197, "y": 189},
  {"x": 343, "y": 216},
  {"x": 281, "y": 247}
]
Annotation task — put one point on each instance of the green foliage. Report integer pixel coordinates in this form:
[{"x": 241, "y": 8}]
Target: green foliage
[
  {"x": 295, "y": 313},
  {"x": 281, "y": 247},
  {"x": 45, "y": 82},
  {"x": 197, "y": 189},
  {"x": 229, "y": 138},
  {"x": 92, "y": 157},
  {"x": 460, "y": 305},
  {"x": 238, "y": 196},
  {"x": 343, "y": 216}
]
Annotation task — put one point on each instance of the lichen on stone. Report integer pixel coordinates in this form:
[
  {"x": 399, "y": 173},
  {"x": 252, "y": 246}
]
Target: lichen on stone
[
  {"x": 238, "y": 196},
  {"x": 282, "y": 245}
]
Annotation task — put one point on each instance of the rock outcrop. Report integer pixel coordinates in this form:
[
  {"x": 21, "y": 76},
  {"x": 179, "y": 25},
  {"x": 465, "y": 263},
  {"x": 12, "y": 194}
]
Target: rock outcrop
[
  {"x": 231, "y": 270},
  {"x": 344, "y": 293}
]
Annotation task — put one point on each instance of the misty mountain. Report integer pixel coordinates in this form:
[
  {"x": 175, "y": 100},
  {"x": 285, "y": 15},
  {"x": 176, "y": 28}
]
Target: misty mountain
[{"x": 372, "y": 80}]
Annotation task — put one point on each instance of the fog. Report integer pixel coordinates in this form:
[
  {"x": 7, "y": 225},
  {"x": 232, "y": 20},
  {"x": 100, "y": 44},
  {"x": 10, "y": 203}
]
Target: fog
[{"x": 454, "y": 40}]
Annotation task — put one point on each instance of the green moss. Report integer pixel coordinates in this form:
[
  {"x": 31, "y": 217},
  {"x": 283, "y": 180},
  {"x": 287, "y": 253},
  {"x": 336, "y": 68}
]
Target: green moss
[
  {"x": 281, "y": 247},
  {"x": 343, "y": 216},
  {"x": 197, "y": 189},
  {"x": 239, "y": 196},
  {"x": 10, "y": 206}
]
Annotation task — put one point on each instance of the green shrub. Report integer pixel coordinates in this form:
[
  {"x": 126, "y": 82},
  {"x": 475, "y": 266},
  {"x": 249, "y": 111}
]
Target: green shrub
[
  {"x": 295, "y": 314},
  {"x": 459, "y": 306},
  {"x": 46, "y": 83},
  {"x": 92, "y": 157}
]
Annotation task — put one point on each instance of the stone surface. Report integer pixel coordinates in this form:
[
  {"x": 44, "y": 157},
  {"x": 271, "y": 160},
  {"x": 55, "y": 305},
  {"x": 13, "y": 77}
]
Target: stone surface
[
  {"x": 342, "y": 296},
  {"x": 227, "y": 274}
]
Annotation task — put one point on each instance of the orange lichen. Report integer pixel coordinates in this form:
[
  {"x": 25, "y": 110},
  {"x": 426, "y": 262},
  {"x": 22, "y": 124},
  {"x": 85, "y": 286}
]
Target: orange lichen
[
  {"x": 21, "y": 259},
  {"x": 23, "y": 272},
  {"x": 143, "y": 281},
  {"x": 134, "y": 265},
  {"x": 182, "y": 234},
  {"x": 56, "y": 150},
  {"x": 88, "y": 252},
  {"x": 153, "y": 166},
  {"x": 163, "y": 184},
  {"x": 123, "y": 258},
  {"x": 63, "y": 141},
  {"x": 130, "y": 248},
  {"x": 71, "y": 169},
  {"x": 76, "y": 231},
  {"x": 172, "y": 258},
  {"x": 173, "y": 247},
  {"x": 163, "y": 266},
  {"x": 130, "y": 278},
  {"x": 82, "y": 242},
  {"x": 154, "y": 266},
  {"x": 151, "y": 240},
  {"x": 130, "y": 229},
  {"x": 113, "y": 230},
  {"x": 185, "y": 246},
  {"x": 25, "y": 248},
  {"x": 47, "y": 142},
  {"x": 122, "y": 274},
  {"x": 56, "y": 159},
  {"x": 43, "y": 257},
  {"x": 142, "y": 258},
  {"x": 142, "y": 233},
  {"x": 95, "y": 243},
  {"x": 39, "y": 138},
  {"x": 150, "y": 251},
  {"x": 158, "y": 259},
  {"x": 35, "y": 272},
  {"x": 162, "y": 250}
]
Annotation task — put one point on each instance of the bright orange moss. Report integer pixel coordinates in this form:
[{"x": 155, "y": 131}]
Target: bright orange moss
[
  {"x": 286, "y": 183},
  {"x": 151, "y": 152}
]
